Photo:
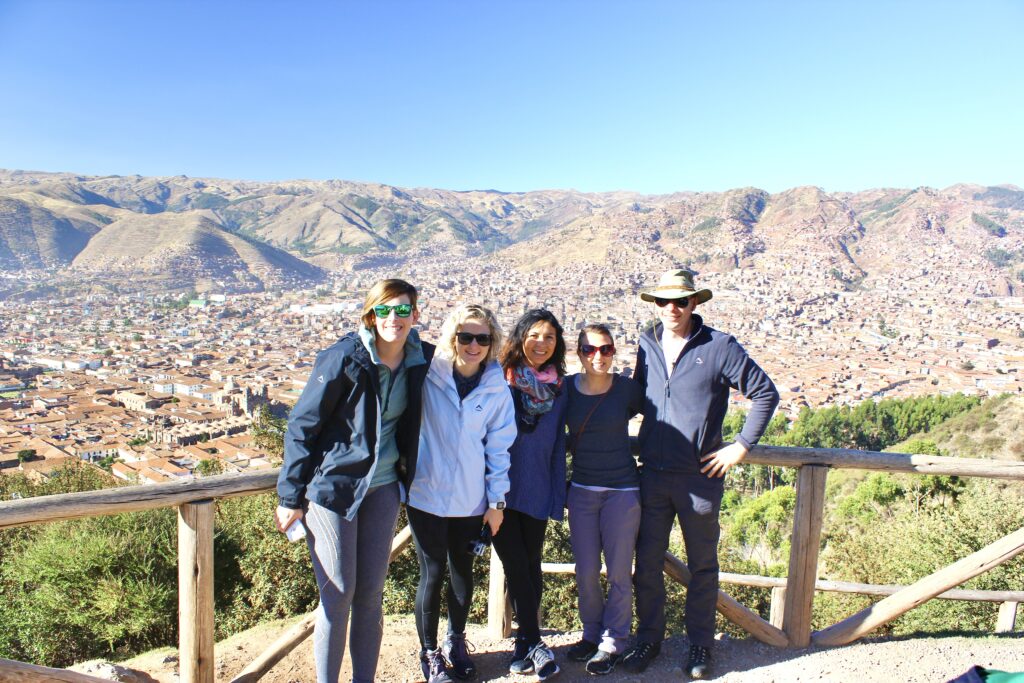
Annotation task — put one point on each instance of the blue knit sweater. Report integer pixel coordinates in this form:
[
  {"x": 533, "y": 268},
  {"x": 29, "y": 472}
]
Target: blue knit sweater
[{"x": 537, "y": 473}]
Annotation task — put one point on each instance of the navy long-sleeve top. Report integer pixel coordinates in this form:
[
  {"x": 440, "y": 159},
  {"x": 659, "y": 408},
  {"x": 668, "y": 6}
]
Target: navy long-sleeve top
[{"x": 537, "y": 473}]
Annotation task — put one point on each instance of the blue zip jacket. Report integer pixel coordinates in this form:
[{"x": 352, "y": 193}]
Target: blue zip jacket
[
  {"x": 330, "y": 446},
  {"x": 683, "y": 413}
]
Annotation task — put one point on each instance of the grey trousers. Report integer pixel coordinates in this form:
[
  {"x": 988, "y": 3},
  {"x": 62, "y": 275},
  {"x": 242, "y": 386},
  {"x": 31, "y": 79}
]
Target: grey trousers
[
  {"x": 350, "y": 561},
  {"x": 695, "y": 500},
  {"x": 605, "y": 521}
]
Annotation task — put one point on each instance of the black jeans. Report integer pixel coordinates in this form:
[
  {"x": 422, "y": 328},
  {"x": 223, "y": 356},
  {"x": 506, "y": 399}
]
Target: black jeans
[
  {"x": 520, "y": 545},
  {"x": 440, "y": 540},
  {"x": 696, "y": 500}
]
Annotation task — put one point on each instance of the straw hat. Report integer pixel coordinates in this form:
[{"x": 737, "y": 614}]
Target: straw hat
[{"x": 676, "y": 284}]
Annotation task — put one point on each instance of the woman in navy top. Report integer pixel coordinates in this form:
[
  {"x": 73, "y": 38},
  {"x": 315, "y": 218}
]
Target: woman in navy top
[{"x": 533, "y": 359}]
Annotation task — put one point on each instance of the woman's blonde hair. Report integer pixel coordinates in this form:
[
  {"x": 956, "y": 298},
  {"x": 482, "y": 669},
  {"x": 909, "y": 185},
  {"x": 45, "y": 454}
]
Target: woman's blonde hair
[
  {"x": 463, "y": 314},
  {"x": 382, "y": 291}
]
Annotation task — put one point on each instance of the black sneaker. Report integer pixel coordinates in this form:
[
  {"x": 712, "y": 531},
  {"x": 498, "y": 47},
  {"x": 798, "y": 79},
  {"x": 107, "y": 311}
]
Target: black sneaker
[
  {"x": 699, "y": 663},
  {"x": 456, "y": 650},
  {"x": 636, "y": 660},
  {"x": 543, "y": 661},
  {"x": 582, "y": 651},
  {"x": 602, "y": 663},
  {"x": 521, "y": 662},
  {"x": 437, "y": 668}
]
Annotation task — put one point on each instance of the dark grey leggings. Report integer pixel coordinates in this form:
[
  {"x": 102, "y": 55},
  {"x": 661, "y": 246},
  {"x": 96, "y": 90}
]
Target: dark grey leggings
[{"x": 350, "y": 561}]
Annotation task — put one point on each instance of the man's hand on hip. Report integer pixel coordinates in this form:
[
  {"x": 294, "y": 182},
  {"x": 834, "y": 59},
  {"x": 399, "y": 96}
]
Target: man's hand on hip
[{"x": 719, "y": 462}]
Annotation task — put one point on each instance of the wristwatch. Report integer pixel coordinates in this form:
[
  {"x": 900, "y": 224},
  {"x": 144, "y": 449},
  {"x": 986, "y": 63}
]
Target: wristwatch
[{"x": 500, "y": 505}]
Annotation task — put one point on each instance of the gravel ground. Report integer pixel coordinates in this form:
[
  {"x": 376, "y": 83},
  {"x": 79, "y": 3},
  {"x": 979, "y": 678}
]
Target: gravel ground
[{"x": 931, "y": 660}]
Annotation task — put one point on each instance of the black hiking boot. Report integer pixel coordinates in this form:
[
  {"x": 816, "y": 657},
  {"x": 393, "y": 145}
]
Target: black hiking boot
[
  {"x": 699, "y": 663},
  {"x": 456, "y": 650}
]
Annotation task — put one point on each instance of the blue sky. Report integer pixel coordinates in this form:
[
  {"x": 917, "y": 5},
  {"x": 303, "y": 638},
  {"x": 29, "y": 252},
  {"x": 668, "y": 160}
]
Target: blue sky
[{"x": 648, "y": 96}]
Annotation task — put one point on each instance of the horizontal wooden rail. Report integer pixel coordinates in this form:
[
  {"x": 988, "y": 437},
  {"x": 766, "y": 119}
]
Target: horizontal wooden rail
[
  {"x": 44, "y": 509},
  {"x": 136, "y": 498},
  {"x": 870, "y": 589},
  {"x": 845, "y": 458},
  {"x": 757, "y": 581}
]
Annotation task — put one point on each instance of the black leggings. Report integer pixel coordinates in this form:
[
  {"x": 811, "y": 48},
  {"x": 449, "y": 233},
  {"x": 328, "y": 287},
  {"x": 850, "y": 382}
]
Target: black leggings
[
  {"x": 520, "y": 544},
  {"x": 441, "y": 539}
]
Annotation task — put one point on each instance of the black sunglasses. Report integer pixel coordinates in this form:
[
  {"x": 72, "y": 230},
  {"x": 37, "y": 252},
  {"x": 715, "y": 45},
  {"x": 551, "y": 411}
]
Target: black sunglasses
[
  {"x": 465, "y": 338},
  {"x": 401, "y": 310},
  {"x": 681, "y": 303},
  {"x": 605, "y": 349}
]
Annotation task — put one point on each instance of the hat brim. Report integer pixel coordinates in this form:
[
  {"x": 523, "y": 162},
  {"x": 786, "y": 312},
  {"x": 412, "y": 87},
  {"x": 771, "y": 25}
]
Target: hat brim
[{"x": 702, "y": 295}]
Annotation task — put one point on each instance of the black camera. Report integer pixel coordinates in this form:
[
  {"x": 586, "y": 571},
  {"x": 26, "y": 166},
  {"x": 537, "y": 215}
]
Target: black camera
[{"x": 480, "y": 544}]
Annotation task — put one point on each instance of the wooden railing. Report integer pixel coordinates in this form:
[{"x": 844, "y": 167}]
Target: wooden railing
[{"x": 792, "y": 598}]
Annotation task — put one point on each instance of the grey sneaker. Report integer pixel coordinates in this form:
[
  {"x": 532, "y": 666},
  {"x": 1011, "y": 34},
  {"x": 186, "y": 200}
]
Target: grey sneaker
[
  {"x": 602, "y": 663},
  {"x": 699, "y": 663},
  {"x": 543, "y": 661},
  {"x": 456, "y": 650},
  {"x": 521, "y": 662}
]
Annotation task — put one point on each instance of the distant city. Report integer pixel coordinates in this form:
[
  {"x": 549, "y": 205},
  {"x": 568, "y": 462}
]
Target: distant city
[{"x": 841, "y": 299}]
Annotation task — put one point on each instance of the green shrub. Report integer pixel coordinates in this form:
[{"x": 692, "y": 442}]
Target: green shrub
[
  {"x": 99, "y": 587},
  {"x": 915, "y": 543}
]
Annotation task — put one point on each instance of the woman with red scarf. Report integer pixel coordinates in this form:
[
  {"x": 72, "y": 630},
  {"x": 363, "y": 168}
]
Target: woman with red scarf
[{"x": 533, "y": 359}]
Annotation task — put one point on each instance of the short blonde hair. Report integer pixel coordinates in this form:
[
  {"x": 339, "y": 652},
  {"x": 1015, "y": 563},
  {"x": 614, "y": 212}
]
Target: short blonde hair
[
  {"x": 463, "y": 314},
  {"x": 382, "y": 291}
]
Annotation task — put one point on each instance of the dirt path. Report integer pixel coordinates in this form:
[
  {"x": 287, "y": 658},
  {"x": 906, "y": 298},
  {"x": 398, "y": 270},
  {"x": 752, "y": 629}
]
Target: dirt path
[{"x": 930, "y": 660}]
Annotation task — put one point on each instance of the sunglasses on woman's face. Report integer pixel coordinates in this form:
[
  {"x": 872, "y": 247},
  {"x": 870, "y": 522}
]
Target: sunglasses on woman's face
[
  {"x": 465, "y": 338},
  {"x": 605, "y": 349},
  {"x": 401, "y": 310},
  {"x": 680, "y": 303}
]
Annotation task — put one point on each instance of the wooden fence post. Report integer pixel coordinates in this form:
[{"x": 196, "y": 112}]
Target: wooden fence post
[
  {"x": 778, "y": 606},
  {"x": 1007, "y": 619},
  {"x": 867, "y": 620},
  {"x": 803, "y": 554},
  {"x": 499, "y": 609},
  {"x": 195, "y": 591}
]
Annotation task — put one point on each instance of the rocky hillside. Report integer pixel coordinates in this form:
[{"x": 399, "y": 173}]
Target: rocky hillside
[{"x": 249, "y": 234}]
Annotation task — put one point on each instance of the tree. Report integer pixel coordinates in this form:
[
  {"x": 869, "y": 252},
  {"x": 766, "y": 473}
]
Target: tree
[
  {"x": 209, "y": 467},
  {"x": 268, "y": 431},
  {"x": 26, "y": 454}
]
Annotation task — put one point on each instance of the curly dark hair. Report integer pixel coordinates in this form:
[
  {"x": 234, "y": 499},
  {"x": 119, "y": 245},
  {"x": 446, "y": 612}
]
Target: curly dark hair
[{"x": 512, "y": 355}]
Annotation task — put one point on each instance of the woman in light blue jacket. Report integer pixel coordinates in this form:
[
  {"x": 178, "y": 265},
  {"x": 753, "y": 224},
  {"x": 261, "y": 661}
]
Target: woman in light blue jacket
[{"x": 460, "y": 480}]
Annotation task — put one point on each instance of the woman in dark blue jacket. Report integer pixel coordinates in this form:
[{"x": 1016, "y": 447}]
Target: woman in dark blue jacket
[
  {"x": 534, "y": 362},
  {"x": 351, "y": 438}
]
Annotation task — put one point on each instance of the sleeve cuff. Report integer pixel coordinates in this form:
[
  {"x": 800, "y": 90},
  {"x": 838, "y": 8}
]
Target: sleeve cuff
[{"x": 746, "y": 444}]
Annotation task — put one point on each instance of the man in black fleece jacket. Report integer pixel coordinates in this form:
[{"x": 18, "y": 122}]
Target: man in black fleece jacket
[{"x": 687, "y": 370}]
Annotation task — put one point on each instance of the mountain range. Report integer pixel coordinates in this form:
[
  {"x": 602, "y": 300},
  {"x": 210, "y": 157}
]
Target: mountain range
[{"x": 180, "y": 232}]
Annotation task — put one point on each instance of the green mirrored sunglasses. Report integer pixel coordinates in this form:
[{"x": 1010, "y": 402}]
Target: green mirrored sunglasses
[{"x": 401, "y": 310}]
